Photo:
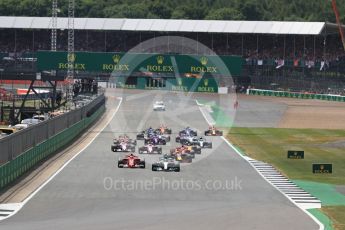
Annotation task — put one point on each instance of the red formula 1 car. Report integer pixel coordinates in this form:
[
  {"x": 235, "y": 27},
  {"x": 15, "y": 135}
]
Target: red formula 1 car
[
  {"x": 131, "y": 161},
  {"x": 213, "y": 131}
]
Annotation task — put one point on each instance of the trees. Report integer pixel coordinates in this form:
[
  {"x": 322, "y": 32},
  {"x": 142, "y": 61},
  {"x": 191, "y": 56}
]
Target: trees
[
  {"x": 225, "y": 14},
  {"x": 307, "y": 10},
  {"x": 125, "y": 11}
]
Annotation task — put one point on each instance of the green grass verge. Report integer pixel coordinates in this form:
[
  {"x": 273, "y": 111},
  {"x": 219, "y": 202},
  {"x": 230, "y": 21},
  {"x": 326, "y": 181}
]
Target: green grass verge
[
  {"x": 271, "y": 145},
  {"x": 321, "y": 146},
  {"x": 337, "y": 216}
]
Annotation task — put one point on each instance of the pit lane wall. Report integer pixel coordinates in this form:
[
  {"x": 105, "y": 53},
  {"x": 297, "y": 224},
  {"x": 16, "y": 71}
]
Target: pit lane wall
[
  {"x": 327, "y": 97},
  {"x": 52, "y": 135}
]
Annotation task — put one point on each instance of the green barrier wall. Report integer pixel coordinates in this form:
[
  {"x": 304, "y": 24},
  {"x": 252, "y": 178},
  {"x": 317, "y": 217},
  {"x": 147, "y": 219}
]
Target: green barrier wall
[
  {"x": 326, "y": 97},
  {"x": 16, "y": 167}
]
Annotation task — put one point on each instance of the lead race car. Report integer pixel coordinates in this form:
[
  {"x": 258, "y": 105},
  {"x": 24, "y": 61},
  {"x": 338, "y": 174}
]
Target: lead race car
[
  {"x": 123, "y": 147},
  {"x": 196, "y": 141},
  {"x": 166, "y": 163},
  {"x": 150, "y": 149},
  {"x": 130, "y": 161},
  {"x": 213, "y": 131}
]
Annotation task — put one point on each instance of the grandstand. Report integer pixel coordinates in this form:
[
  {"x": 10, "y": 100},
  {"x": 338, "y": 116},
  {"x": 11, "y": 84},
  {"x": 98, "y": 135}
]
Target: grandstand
[{"x": 286, "y": 55}]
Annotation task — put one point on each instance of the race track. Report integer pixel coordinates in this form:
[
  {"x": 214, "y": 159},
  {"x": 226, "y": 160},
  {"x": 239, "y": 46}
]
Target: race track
[{"x": 219, "y": 190}]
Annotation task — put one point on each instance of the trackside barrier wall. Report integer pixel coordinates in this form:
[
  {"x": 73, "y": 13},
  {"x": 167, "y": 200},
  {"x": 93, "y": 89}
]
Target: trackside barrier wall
[
  {"x": 326, "y": 97},
  {"x": 19, "y": 142},
  {"x": 23, "y": 162}
]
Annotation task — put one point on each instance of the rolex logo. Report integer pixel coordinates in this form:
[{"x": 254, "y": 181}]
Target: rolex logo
[
  {"x": 116, "y": 58},
  {"x": 206, "y": 82},
  {"x": 203, "y": 60},
  {"x": 71, "y": 57},
  {"x": 160, "y": 60}
]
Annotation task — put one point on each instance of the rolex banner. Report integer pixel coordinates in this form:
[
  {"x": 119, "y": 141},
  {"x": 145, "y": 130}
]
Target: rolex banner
[
  {"x": 193, "y": 85},
  {"x": 131, "y": 63}
]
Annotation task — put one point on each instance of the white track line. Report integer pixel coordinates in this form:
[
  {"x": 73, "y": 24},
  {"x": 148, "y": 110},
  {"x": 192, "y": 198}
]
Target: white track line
[
  {"x": 247, "y": 159},
  {"x": 17, "y": 206}
]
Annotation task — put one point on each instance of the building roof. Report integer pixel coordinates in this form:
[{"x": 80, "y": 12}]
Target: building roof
[{"x": 170, "y": 25}]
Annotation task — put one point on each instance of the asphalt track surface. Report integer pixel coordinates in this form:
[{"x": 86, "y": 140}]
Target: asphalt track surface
[
  {"x": 253, "y": 112},
  {"x": 78, "y": 198}
]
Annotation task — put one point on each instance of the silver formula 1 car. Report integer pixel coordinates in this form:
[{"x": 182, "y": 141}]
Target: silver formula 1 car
[
  {"x": 196, "y": 141},
  {"x": 166, "y": 163}
]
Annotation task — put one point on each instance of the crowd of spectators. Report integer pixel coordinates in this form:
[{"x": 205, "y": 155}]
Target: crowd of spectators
[
  {"x": 260, "y": 47},
  {"x": 311, "y": 52}
]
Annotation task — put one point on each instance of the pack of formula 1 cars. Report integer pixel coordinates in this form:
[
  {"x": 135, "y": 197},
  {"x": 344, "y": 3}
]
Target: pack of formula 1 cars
[{"x": 190, "y": 146}]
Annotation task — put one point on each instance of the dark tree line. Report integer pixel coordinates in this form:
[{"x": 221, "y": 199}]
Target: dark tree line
[{"x": 294, "y": 10}]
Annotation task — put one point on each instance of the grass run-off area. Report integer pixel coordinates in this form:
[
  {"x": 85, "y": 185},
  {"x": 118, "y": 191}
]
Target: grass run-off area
[
  {"x": 320, "y": 146},
  {"x": 271, "y": 145}
]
